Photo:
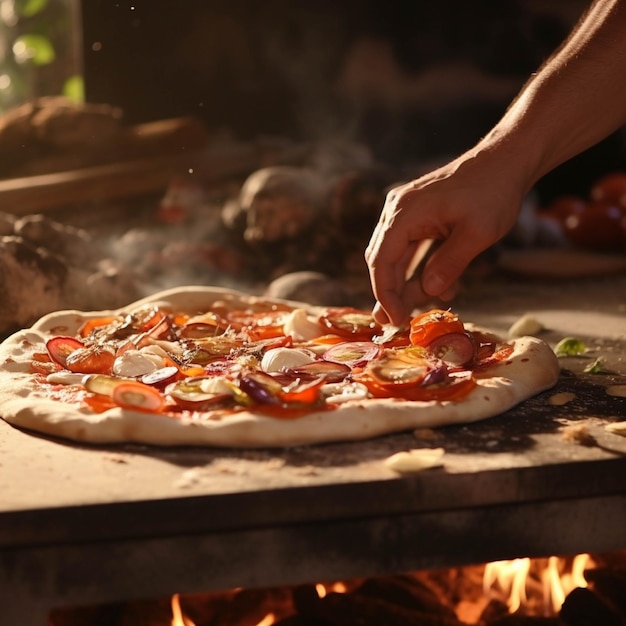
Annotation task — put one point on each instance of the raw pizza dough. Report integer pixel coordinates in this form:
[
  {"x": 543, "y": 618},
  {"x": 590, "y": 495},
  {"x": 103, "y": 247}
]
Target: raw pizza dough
[{"x": 531, "y": 368}]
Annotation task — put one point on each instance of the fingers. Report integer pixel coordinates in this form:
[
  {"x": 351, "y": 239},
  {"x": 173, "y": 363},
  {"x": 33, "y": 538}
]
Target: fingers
[
  {"x": 447, "y": 264},
  {"x": 388, "y": 260}
]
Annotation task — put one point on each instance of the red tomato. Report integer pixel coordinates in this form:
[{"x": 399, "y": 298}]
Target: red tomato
[
  {"x": 597, "y": 228},
  {"x": 59, "y": 348},
  {"x": 90, "y": 325},
  {"x": 564, "y": 206},
  {"x": 136, "y": 395},
  {"x": 351, "y": 323},
  {"x": 259, "y": 325},
  {"x": 454, "y": 389},
  {"x": 611, "y": 188},
  {"x": 432, "y": 324},
  {"x": 90, "y": 360}
]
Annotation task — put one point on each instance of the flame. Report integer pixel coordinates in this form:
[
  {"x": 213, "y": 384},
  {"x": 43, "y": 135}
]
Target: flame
[
  {"x": 514, "y": 580},
  {"x": 510, "y": 577},
  {"x": 178, "y": 618},
  {"x": 268, "y": 620},
  {"x": 338, "y": 587}
]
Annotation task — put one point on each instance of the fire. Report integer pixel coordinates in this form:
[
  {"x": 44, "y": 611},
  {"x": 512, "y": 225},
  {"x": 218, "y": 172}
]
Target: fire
[
  {"x": 178, "y": 618},
  {"x": 268, "y": 620},
  {"x": 518, "y": 580},
  {"x": 337, "y": 587}
]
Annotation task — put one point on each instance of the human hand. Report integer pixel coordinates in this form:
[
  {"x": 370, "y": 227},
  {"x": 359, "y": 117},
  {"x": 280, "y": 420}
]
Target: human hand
[{"x": 466, "y": 206}]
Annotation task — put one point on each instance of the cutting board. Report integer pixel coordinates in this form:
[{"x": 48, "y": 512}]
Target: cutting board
[{"x": 561, "y": 263}]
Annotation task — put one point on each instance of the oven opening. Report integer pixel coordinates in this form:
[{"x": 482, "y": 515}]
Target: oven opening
[{"x": 559, "y": 591}]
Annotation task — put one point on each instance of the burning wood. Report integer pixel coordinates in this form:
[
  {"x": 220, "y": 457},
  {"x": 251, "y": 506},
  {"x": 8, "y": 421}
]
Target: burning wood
[{"x": 452, "y": 597}]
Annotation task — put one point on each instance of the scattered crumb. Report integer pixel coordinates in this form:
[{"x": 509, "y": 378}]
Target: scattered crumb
[
  {"x": 307, "y": 470},
  {"x": 559, "y": 399},
  {"x": 617, "y": 390},
  {"x": 617, "y": 428},
  {"x": 229, "y": 466},
  {"x": 578, "y": 433},
  {"x": 525, "y": 325},
  {"x": 275, "y": 464},
  {"x": 115, "y": 458},
  {"x": 424, "y": 433},
  {"x": 416, "y": 460},
  {"x": 189, "y": 478}
]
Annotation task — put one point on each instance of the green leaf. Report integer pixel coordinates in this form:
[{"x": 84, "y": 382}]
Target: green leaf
[
  {"x": 28, "y": 8},
  {"x": 570, "y": 346},
  {"x": 597, "y": 367},
  {"x": 74, "y": 89},
  {"x": 35, "y": 48}
]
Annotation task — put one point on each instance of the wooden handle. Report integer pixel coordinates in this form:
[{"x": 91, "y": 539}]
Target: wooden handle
[{"x": 32, "y": 194}]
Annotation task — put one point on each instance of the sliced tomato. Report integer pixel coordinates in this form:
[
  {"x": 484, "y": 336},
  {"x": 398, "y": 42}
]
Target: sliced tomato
[
  {"x": 97, "y": 322},
  {"x": 455, "y": 388},
  {"x": 59, "y": 348},
  {"x": 259, "y": 325},
  {"x": 350, "y": 323},
  {"x": 432, "y": 324},
  {"x": 90, "y": 360},
  {"x": 496, "y": 354},
  {"x": 136, "y": 395},
  {"x": 352, "y": 353},
  {"x": 205, "y": 325},
  {"x": 303, "y": 392},
  {"x": 399, "y": 368}
]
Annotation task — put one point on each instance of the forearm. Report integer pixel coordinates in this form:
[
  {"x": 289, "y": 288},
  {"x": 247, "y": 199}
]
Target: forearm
[{"x": 576, "y": 99}]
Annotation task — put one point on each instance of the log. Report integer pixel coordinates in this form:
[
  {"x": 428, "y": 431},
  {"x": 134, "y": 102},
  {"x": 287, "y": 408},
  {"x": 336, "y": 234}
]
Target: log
[
  {"x": 582, "y": 607},
  {"x": 34, "y": 194}
]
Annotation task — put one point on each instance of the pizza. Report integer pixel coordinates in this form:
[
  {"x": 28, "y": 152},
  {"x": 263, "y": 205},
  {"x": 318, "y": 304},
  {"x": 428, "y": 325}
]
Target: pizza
[{"x": 211, "y": 366}]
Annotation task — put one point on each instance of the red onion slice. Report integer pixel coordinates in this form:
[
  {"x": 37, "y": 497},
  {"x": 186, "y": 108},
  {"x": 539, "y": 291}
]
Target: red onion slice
[{"x": 454, "y": 349}]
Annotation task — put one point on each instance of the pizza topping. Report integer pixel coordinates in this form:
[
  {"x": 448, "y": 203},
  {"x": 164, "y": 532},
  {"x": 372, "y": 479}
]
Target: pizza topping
[
  {"x": 257, "y": 325},
  {"x": 63, "y": 377},
  {"x": 279, "y": 359},
  {"x": 449, "y": 388},
  {"x": 455, "y": 349},
  {"x": 161, "y": 376},
  {"x": 402, "y": 367},
  {"x": 135, "y": 363},
  {"x": 59, "y": 348},
  {"x": 206, "y": 325},
  {"x": 426, "y": 327},
  {"x": 281, "y": 362},
  {"x": 392, "y": 336},
  {"x": 136, "y": 395},
  {"x": 300, "y": 327},
  {"x": 352, "y": 353},
  {"x": 331, "y": 372},
  {"x": 99, "y": 322},
  {"x": 337, "y": 393},
  {"x": 102, "y": 384},
  {"x": 351, "y": 324},
  {"x": 268, "y": 389},
  {"x": 205, "y": 391},
  {"x": 93, "y": 359}
]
